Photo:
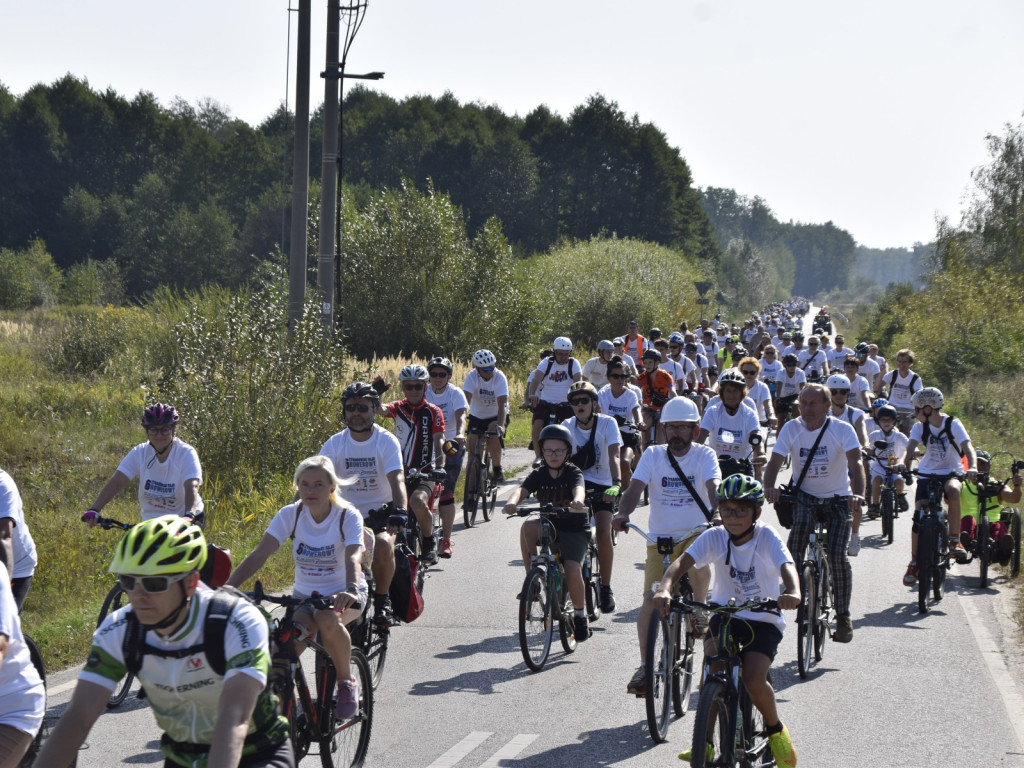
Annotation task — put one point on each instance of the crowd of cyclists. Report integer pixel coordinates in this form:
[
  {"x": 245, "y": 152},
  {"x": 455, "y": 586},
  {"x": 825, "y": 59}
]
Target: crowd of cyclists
[{"x": 681, "y": 422}]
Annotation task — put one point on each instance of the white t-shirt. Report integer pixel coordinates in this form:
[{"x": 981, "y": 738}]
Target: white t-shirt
[
  {"x": 787, "y": 386},
  {"x": 896, "y": 445},
  {"x": 25, "y": 558},
  {"x": 555, "y": 383},
  {"x": 808, "y": 361},
  {"x": 318, "y": 549},
  {"x": 940, "y": 458},
  {"x": 771, "y": 371},
  {"x": 729, "y": 434},
  {"x": 850, "y": 415},
  {"x": 673, "y": 511},
  {"x": 607, "y": 434},
  {"x": 754, "y": 569},
  {"x": 23, "y": 702},
  {"x": 162, "y": 483},
  {"x": 759, "y": 393},
  {"x": 595, "y": 370},
  {"x": 675, "y": 370},
  {"x": 483, "y": 395},
  {"x": 451, "y": 400},
  {"x": 622, "y": 406},
  {"x": 786, "y": 349},
  {"x": 858, "y": 392},
  {"x": 368, "y": 463},
  {"x": 828, "y": 474},
  {"x": 902, "y": 388},
  {"x": 836, "y": 356}
]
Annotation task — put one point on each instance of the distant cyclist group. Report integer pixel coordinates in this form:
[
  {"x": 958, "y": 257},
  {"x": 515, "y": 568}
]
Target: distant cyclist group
[{"x": 684, "y": 423}]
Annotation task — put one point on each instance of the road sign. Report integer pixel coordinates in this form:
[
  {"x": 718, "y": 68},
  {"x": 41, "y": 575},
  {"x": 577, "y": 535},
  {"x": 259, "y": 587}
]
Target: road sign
[{"x": 702, "y": 287}]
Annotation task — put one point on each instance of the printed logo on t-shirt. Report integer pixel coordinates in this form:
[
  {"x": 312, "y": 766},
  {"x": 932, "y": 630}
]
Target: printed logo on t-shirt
[
  {"x": 746, "y": 581},
  {"x": 160, "y": 495},
  {"x": 819, "y": 462},
  {"x": 558, "y": 376},
  {"x": 365, "y": 469}
]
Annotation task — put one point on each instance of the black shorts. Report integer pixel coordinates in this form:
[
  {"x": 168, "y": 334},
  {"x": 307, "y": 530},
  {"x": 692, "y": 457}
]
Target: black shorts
[
  {"x": 756, "y": 636},
  {"x": 597, "y": 501},
  {"x": 476, "y": 424},
  {"x": 281, "y": 756},
  {"x": 452, "y": 468},
  {"x": 784, "y": 405},
  {"x": 630, "y": 440},
  {"x": 543, "y": 411}
]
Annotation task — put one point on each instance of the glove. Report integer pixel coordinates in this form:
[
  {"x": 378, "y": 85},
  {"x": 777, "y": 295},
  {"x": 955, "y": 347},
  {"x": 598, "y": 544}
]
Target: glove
[
  {"x": 381, "y": 386},
  {"x": 613, "y": 491},
  {"x": 89, "y": 517}
]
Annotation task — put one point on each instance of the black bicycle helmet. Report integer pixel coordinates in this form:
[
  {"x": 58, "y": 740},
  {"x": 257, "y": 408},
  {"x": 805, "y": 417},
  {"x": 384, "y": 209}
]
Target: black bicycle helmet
[
  {"x": 790, "y": 359},
  {"x": 652, "y": 354},
  {"x": 360, "y": 389},
  {"x": 555, "y": 432},
  {"x": 160, "y": 415},
  {"x": 440, "y": 362}
]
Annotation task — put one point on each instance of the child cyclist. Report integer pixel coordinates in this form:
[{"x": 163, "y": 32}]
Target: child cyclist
[
  {"x": 895, "y": 446},
  {"x": 327, "y": 545},
  {"x": 749, "y": 558}
]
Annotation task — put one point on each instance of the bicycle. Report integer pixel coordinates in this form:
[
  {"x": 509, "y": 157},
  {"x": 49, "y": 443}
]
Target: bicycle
[
  {"x": 479, "y": 468},
  {"x": 591, "y": 564},
  {"x": 413, "y": 534},
  {"x": 342, "y": 743},
  {"x": 983, "y": 547},
  {"x": 371, "y": 638},
  {"x": 115, "y": 598},
  {"x": 728, "y": 730},
  {"x": 671, "y": 642},
  {"x": 887, "y": 500},
  {"x": 817, "y": 604},
  {"x": 545, "y": 597},
  {"x": 932, "y": 543}
]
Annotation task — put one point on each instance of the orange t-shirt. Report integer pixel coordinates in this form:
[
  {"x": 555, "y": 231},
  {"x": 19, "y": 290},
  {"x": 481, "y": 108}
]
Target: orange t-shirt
[{"x": 658, "y": 383}]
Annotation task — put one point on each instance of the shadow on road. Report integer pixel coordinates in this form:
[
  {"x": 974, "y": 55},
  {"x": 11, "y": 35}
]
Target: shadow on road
[{"x": 604, "y": 746}]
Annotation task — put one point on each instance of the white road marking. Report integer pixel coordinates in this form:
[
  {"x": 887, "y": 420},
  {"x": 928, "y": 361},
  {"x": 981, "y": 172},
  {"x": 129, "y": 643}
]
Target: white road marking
[
  {"x": 460, "y": 750},
  {"x": 511, "y": 750}
]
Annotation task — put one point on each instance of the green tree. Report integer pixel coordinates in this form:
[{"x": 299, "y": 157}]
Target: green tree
[{"x": 28, "y": 278}]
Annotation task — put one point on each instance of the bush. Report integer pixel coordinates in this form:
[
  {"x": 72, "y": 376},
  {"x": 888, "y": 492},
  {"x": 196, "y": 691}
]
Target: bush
[
  {"x": 93, "y": 282},
  {"x": 125, "y": 342},
  {"x": 28, "y": 278}
]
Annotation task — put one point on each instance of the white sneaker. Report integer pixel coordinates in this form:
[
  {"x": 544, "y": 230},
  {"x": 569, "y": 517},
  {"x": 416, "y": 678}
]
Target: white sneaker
[{"x": 854, "y": 545}]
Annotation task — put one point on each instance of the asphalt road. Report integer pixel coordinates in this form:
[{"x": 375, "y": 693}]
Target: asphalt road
[{"x": 910, "y": 690}]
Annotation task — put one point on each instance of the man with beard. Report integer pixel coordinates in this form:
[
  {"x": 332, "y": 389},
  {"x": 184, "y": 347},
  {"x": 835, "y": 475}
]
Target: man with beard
[{"x": 683, "y": 477}]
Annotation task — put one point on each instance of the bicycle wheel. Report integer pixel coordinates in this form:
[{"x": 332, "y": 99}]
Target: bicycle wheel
[
  {"x": 375, "y": 648},
  {"x": 805, "y": 613},
  {"x": 535, "y": 619},
  {"x": 982, "y": 550},
  {"x": 471, "y": 501},
  {"x": 288, "y": 698},
  {"x": 593, "y": 584},
  {"x": 347, "y": 741},
  {"x": 489, "y": 497},
  {"x": 658, "y": 667},
  {"x": 824, "y": 608},
  {"x": 925, "y": 562},
  {"x": 1015, "y": 532},
  {"x": 566, "y": 626},
  {"x": 684, "y": 642},
  {"x": 755, "y": 738},
  {"x": 714, "y": 739},
  {"x": 941, "y": 565},
  {"x": 115, "y": 599},
  {"x": 888, "y": 503}
]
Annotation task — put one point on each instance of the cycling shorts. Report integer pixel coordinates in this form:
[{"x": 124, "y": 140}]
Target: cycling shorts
[
  {"x": 784, "y": 405},
  {"x": 452, "y": 469},
  {"x": 476, "y": 424},
  {"x": 630, "y": 440},
  {"x": 544, "y": 410},
  {"x": 597, "y": 501}
]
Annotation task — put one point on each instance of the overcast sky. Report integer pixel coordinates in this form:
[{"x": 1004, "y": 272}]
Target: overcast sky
[{"x": 871, "y": 115}]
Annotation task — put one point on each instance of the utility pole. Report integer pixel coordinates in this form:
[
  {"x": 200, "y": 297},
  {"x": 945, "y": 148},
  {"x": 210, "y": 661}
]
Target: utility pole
[
  {"x": 329, "y": 168},
  {"x": 300, "y": 173}
]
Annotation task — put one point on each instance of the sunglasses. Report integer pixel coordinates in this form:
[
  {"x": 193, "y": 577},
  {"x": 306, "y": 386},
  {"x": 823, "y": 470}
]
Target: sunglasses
[
  {"x": 356, "y": 408},
  {"x": 579, "y": 401},
  {"x": 151, "y": 584},
  {"x": 749, "y": 373},
  {"x": 159, "y": 430},
  {"x": 616, "y": 375},
  {"x": 486, "y": 369},
  {"x": 438, "y": 374},
  {"x": 411, "y": 387},
  {"x": 839, "y": 391}
]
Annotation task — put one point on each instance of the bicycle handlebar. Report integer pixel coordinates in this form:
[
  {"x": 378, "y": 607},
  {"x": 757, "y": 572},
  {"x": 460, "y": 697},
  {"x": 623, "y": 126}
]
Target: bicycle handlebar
[
  {"x": 756, "y": 605},
  {"x": 547, "y": 509},
  {"x": 675, "y": 542},
  {"x": 319, "y": 602},
  {"x": 106, "y": 523},
  {"x": 420, "y": 474}
]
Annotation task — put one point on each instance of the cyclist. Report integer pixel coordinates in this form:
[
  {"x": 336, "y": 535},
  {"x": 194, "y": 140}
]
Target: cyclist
[
  {"x": 902, "y": 384},
  {"x": 896, "y": 447},
  {"x": 946, "y": 443},
  {"x": 788, "y": 387},
  {"x": 486, "y": 390},
  {"x": 595, "y": 443},
  {"x": 327, "y": 549},
  {"x": 670, "y": 366},
  {"x": 550, "y": 385},
  {"x": 839, "y": 352},
  {"x": 860, "y": 391},
  {"x": 419, "y": 427},
  {"x": 368, "y": 459},
  {"x": 883, "y": 367},
  {"x": 785, "y": 345},
  {"x": 17, "y": 548},
  {"x": 812, "y": 360},
  {"x": 710, "y": 352},
  {"x": 683, "y": 477},
  {"x": 758, "y": 391},
  {"x": 168, "y": 470},
  {"x": 657, "y": 387},
  {"x": 728, "y": 425},
  {"x": 1009, "y": 493},
  {"x": 622, "y": 404},
  {"x": 453, "y": 404},
  {"x": 839, "y": 393},
  {"x": 750, "y": 560},
  {"x": 544, "y": 355},
  {"x": 23, "y": 703},
  {"x": 619, "y": 344},
  {"x": 596, "y": 368},
  {"x": 228, "y": 719},
  {"x": 561, "y": 483},
  {"x": 835, "y": 479},
  {"x": 869, "y": 368}
]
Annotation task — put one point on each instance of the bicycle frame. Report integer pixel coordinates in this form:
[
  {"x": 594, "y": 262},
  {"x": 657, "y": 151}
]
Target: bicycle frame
[
  {"x": 814, "y": 616},
  {"x": 932, "y": 543}
]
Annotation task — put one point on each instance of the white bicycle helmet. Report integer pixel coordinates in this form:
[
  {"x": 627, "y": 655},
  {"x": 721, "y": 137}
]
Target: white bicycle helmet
[
  {"x": 680, "y": 409},
  {"x": 928, "y": 396},
  {"x": 483, "y": 358},
  {"x": 413, "y": 373},
  {"x": 837, "y": 381},
  {"x": 562, "y": 344},
  {"x": 605, "y": 345}
]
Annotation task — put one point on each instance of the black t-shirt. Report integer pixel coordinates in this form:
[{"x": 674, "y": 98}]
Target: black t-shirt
[{"x": 559, "y": 492}]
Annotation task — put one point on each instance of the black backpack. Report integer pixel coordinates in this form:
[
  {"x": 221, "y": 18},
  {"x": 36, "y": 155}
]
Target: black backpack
[
  {"x": 910, "y": 386},
  {"x": 946, "y": 429},
  {"x": 134, "y": 646}
]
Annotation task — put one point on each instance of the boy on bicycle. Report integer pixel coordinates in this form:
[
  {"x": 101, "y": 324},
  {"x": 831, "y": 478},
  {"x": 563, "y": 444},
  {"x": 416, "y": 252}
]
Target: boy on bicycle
[{"x": 749, "y": 558}]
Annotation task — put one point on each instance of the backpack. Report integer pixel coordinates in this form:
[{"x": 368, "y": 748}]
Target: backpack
[
  {"x": 946, "y": 429},
  {"x": 134, "y": 646},
  {"x": 406, "y": 600},
  {"x": 910, "y": 386},
  {"x": 551, "y": 362}
]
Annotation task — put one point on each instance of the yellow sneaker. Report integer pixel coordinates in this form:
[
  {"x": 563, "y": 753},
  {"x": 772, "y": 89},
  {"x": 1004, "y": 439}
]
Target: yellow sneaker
[
  {"x": 709, "y": 754},
  {"x": 782, "y": 748}
]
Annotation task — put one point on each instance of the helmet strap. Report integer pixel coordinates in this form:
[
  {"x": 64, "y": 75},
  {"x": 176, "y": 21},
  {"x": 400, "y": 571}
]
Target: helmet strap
[
  {"x": 738, "y": 539},
  {"x": 173, "y": 616}
]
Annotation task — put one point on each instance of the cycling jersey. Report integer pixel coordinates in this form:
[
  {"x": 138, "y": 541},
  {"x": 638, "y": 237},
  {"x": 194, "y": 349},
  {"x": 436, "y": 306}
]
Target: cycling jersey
[
  {"x": 22, "y": 544},
  {"x": 483, "y": 394},
  {"x": 184, "y": 693},
  {"x": 450, "y": 401},
  {"x": 657, "y": 384},
  {"x": 162, "y": 483},
  {"x": 415, "y": 429},
  {"x": 366, "y": 465}
]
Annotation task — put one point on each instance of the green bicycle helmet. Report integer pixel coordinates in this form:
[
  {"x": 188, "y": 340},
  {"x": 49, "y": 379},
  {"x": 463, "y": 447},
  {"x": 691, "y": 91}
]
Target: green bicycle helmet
[
  {"x": 161, "y": 546},
  {"x": 740, "y": 488}
]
